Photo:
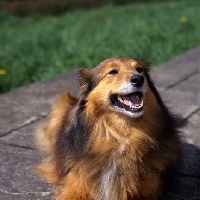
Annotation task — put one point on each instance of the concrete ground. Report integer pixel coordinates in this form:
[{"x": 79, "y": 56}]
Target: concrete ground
[{"x": 21, "y": 110}]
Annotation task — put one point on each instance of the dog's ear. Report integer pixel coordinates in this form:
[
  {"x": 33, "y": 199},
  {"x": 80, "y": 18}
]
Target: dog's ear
[
  {"x": 145, "y": 65},
  {"x": 85, "y": 80},
  {"x": 84, "y": 76}
]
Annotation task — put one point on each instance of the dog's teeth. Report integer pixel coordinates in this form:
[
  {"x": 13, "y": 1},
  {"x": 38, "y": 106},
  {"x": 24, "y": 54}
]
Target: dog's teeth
[
  {"x": 137, "y": 106},
  {"x": 130, "y": 104},
  {"x": 120, "y": 99}
]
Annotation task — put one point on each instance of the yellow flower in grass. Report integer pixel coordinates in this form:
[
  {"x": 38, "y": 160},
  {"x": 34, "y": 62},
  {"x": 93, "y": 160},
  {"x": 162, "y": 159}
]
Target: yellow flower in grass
[
  {"x": 183, "y": 19},
  {"x": 2, "y": 72}
]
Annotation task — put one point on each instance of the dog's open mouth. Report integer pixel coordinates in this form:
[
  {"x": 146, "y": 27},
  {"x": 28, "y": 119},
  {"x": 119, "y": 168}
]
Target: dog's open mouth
[{"x": 132, "y": 102}]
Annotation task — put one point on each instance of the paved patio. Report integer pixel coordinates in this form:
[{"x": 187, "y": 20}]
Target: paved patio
[{"x": 21, "y": 110}]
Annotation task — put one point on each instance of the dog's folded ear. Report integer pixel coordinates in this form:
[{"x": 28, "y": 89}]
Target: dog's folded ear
[
  {"x": 84, "y": 76},
  {"x": 85, "y": 80},
  {"x": 144, "y": 64}
]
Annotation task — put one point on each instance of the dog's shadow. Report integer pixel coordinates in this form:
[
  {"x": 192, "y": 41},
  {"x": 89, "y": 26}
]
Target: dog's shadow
[{"x": 186, "y": 180}]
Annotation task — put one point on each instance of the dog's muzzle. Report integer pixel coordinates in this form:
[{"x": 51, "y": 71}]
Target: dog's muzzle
[{"x": 130, "y": 98}]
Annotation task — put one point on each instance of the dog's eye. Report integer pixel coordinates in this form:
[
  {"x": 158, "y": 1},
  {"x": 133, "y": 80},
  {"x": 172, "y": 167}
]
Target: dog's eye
[
  {"x": 113, "y": 72},
  {"x": 139, "y": 69}
]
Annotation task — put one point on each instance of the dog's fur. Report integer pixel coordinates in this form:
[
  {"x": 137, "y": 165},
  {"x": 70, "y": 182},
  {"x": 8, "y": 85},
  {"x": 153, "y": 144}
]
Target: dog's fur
[{"x": 98, "y": 151}]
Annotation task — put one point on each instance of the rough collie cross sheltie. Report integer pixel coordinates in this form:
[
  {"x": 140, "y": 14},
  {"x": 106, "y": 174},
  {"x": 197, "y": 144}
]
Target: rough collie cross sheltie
[{"x": 115, "y": 141}]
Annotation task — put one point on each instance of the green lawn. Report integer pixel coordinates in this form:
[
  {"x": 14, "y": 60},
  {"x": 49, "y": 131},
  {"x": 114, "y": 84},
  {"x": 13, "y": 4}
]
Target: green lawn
[{"x": 37, "y": 48}]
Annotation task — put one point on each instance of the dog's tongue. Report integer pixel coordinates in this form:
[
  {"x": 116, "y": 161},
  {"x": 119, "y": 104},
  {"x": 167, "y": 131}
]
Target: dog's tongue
[{"x": 131, "y": 98}]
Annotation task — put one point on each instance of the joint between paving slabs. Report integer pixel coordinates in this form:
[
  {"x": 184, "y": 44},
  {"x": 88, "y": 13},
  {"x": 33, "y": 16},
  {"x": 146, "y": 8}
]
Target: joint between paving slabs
[
  {"x": 17, "y": 146},
  {"x": 33, "y": 120},
  {"x": 24, "y": 193},
  {"x": 188, "y": 116},
  {"x": 181, "y": 80}
]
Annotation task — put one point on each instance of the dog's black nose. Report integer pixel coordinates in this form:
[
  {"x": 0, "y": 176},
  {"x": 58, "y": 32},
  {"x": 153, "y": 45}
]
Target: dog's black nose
[{"x": 137, "y": 80}]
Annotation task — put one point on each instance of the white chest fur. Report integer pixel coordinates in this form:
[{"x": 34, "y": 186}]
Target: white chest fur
[{"x": 108, "y": 189}]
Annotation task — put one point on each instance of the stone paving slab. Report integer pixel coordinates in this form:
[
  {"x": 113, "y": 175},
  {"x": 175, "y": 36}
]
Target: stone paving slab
[
  {"x": 26, "y": 196},
  {"x": 176, "y": 70},
  {"x": 191, "y": 134},
  {"x": 18, "y": 178},
  {"x": 23, "y": 137},
  {"x": 180, "y": 102},
  {"x": 185, "y": 188},
  {"x": 27, "y": 104},
  {"x": 192, "y": 84},
  {"x": 24, "y": 108},
  {"x": 190, "y": 163}
]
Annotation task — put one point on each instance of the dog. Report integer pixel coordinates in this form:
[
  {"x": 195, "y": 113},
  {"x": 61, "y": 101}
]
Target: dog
[{"x": 115, "y": 141}]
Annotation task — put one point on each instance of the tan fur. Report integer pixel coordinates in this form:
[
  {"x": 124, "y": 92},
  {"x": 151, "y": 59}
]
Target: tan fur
[
  {"x": 124, "y": 158},
  {"x": 50, "y": 130}
]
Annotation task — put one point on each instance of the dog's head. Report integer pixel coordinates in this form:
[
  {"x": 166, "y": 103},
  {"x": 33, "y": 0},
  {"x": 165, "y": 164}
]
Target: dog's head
[{"x": 118, "y": 85}]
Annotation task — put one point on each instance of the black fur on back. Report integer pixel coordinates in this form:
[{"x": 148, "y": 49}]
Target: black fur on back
[{"x": 73, "y": 139}]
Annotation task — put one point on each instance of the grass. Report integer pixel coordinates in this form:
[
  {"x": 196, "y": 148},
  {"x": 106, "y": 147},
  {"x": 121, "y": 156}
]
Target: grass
[{"x": 37, "y": 48}]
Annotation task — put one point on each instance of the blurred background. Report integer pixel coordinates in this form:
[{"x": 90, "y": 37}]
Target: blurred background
[{"x": 43, "y": 38}]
